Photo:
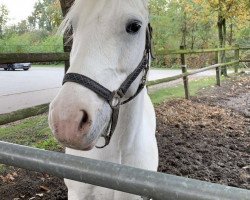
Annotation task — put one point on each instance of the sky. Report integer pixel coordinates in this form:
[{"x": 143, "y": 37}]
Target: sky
[{"x": 18, "y": 9}]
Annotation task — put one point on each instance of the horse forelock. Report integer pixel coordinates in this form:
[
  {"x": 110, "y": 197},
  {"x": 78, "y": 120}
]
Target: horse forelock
[{"x": 83, "y": 9}]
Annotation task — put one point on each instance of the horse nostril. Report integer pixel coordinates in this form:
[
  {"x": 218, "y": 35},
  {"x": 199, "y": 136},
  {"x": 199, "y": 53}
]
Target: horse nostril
[{"x": 84, "y": 120}]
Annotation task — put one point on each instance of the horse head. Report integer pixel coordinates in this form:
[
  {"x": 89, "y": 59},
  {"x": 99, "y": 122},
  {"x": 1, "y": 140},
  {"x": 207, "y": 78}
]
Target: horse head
[{"x": 108, "y": 45}]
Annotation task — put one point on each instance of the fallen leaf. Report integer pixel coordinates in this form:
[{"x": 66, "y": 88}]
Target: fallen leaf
[
  {"x": 40, "y": 195},
  {"x": 44, "y": 188},
  {"x": 14, "y": 174},
  {"x": 7, "y": 178}
]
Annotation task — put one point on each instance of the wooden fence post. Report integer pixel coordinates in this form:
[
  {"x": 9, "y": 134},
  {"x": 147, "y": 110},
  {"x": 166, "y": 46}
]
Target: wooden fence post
[
  {"x": 222, "y": 57},
  {"x": 237, "y": 58},
  {"x": 218, "y": 69},
  {"x": 184, "y": 70}
]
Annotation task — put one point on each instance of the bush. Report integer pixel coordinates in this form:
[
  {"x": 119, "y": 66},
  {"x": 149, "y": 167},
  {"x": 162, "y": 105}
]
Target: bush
[{"x": 33, "y": 42}]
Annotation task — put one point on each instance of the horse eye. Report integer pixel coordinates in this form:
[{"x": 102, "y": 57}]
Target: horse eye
[{"x": 133, "y": 27}]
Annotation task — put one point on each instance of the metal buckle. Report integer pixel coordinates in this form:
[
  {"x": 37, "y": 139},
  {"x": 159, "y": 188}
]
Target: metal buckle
[{"x": 115, "y": 101}]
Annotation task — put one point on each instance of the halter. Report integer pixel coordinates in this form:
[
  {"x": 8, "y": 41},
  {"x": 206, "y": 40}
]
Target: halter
[{"x": 115, "y": 98}]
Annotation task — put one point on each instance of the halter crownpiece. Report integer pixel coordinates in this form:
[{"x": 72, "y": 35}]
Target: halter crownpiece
[{"x": 114, "y": 98}]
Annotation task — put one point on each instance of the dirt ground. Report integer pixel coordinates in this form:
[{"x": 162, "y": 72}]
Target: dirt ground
[{"x": 206, "y": 138}]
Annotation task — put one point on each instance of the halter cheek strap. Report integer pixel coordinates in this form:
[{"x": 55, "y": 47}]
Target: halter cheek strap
[{"x": 115, "y": 98}]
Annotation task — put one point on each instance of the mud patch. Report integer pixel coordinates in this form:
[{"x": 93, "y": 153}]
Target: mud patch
[
  {"x": 234, "y": 94},
  {"x": 241, "y": 103},
  {"x": 17, "y": 184},
  {"x": 204, "y": 142}
]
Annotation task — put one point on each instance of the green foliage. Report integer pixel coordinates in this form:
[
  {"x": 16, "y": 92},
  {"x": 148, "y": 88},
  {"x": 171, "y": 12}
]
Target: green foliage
[
  {"x": 2, "y": 168},
  {"x": 243, "y": 35},
  {"x": 46, "y": 16},
  {"x": 36, "y": 33},
  {"x": 196, "y": 19},
  {"x": 31, "y": 42},
  {"x": 3, "y": 18},
  {"x": 193, "y": 23},
  {"x": 48, "y": 144}
]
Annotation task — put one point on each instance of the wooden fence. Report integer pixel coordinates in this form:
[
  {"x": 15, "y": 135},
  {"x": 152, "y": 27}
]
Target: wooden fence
[
  {"x": 185, "y": 74},
  {"x": 51, "y": 57}
]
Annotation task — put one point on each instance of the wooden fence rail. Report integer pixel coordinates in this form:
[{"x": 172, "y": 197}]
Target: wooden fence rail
[
  {"x": 32, "y": 57},
  {"x": 194, "y": 51},
  {"x": 244, "y": 48},
  {"x": 248, "y": 60},
  {"x": 176, "y": 77}
]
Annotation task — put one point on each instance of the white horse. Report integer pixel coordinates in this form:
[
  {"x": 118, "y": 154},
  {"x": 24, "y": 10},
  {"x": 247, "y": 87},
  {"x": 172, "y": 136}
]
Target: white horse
[{"x": 109, "y": 42}]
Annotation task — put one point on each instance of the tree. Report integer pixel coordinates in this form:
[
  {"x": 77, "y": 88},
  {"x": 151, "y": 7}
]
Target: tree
[
  {"x": 158, "y": 7},
  {"x": 22, "y": 27},
  {"x": 46, "y": 16},
  {"x": 227, "y": 10},
  {"x": 3, "y": 18},
  {"x": 235, "y": 12},
  {"x": 32, "y": 22}
]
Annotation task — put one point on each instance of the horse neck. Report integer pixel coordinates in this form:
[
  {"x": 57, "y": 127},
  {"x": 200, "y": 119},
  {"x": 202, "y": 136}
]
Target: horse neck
[{"x": 130, "y": 119}]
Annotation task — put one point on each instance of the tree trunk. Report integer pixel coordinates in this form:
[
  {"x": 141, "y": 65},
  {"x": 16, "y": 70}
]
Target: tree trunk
[
  {"x": 192, "y": 42},
  {"x": 184, "y": 31},
  {"x": 193, "y": 39},
  {"x": 1, "y": 32},
  {"x": 230, "y": 42},
  {"x": 222, "y": 31}
]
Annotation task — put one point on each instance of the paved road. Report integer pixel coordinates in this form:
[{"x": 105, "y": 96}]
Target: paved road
[{"x": 22, "y": 89}]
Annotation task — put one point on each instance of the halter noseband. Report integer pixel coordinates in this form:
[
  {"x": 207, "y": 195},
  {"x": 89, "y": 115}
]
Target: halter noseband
[{"x": 115, "y": 98}]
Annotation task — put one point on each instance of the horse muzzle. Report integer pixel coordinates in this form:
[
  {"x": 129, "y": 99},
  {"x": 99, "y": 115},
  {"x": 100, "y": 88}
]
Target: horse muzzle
[{"x": 78, "y": 124}]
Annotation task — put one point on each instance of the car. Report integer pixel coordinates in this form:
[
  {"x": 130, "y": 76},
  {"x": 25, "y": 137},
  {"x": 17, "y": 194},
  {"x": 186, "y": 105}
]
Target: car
[{"x": 14, "y": 66}]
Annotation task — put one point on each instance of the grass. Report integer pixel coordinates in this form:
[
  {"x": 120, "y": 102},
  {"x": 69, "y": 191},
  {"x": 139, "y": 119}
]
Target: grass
[
  {"x": 49, "y": 144},
  {"x": 178, "y": 91},
  {"x": 2, "y": 168},
  {"x": 32, "y": 131}
]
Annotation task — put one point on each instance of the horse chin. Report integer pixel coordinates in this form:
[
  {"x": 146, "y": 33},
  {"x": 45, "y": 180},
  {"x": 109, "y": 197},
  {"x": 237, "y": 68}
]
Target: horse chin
[
  {"x": 87, "y": 142},
  {"x": 79, "y": 146},
  {"x": 84, "y": 148}
]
